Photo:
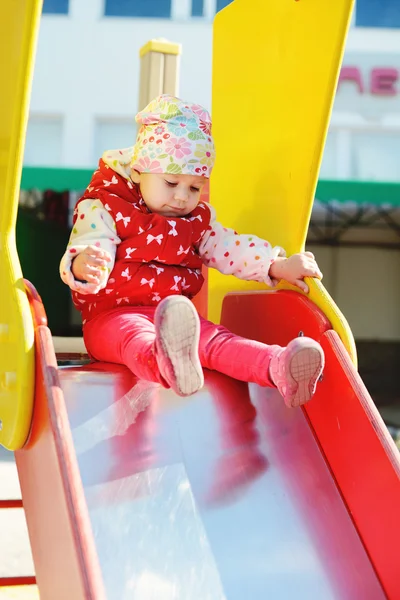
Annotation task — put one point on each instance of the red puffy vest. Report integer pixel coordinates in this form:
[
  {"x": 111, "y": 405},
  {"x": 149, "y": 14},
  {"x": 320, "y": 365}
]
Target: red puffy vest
[{"x": 157, "y": 256}]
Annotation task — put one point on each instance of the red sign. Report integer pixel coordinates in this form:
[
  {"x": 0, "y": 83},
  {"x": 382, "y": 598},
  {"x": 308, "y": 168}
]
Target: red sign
[{"x": 382, "y": 81}]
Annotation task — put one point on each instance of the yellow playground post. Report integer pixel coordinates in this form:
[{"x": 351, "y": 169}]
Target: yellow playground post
[
  {"x": 19, "y": 25},
  {"x": 275, "y": 71}
]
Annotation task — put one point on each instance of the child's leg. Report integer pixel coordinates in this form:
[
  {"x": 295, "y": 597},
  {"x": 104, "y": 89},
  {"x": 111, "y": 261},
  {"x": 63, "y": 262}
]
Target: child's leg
[
  {"x": 294, "y": 370},
  {"x": 240, "y": 358},
  {"x": 125, "y": 336},
  {"x": 155, "y": 344}
]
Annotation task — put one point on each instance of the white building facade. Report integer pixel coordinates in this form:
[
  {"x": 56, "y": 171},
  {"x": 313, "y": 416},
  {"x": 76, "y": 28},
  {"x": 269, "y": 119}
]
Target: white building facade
[{"x": 85, "y": 89}]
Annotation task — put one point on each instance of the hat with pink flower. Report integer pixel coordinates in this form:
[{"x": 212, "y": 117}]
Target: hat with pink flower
[{"x": 174, "y": 137}]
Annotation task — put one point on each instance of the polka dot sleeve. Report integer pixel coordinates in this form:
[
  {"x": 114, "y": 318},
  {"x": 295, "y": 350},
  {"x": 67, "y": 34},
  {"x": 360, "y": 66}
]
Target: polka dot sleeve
[
  {"x": 93, "y": 227},
  {"x": 245, "y": 256}
]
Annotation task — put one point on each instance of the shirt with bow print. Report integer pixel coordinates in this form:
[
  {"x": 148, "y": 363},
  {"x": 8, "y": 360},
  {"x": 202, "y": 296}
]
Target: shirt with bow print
[{"x": 153, "y": 256}]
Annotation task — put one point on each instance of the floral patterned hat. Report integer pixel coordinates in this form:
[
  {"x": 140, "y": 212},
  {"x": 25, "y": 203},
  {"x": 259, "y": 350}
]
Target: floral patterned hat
[{"x": 174, "y": 137}]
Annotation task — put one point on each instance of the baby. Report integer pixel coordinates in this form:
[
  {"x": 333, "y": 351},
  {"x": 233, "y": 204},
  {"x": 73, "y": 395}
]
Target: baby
[{"x": 140, "y": 238}]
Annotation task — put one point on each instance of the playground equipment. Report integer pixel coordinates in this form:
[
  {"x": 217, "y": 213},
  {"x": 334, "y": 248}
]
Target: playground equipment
[
  {"x": 129, "y": 490},
  {"x": 18, "y": 29},
  {"x": 159, "y": 70}
]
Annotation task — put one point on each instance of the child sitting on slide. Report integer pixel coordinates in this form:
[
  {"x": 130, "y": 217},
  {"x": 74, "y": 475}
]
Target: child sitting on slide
[{"x": 139, "y": 240}]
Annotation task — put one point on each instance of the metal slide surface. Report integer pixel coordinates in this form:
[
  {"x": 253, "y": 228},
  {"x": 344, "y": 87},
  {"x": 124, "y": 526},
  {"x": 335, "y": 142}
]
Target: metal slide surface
[{"x": 221, "y": 495}]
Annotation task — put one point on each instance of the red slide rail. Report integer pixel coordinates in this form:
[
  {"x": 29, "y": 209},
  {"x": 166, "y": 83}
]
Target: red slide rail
[{"x": 60, "y": 533}]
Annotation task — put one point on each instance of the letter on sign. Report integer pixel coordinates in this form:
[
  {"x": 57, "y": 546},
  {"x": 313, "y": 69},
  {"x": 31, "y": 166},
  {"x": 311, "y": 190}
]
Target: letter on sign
[
  {"x": 383, "y": 82},
  {"x": 352, "y": 74}
]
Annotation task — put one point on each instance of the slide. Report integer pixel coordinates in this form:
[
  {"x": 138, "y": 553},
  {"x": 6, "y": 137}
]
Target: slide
[{"x": 133, "y": 492}]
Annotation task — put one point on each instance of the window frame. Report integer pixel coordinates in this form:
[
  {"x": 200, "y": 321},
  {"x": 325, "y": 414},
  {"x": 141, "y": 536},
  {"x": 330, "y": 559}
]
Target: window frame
[
  {"x": 226, "y": 2},
  {"x": 201, "y": 5},
  {"x": 345, "y": 125},
  {"x": 372, "y": 25},
  {"x": 144, "y": 3},
  {"x": 57, "y": 12}
]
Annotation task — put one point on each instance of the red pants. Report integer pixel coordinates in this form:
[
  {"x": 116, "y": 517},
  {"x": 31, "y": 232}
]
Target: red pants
[{"x": 126, "y": 336}]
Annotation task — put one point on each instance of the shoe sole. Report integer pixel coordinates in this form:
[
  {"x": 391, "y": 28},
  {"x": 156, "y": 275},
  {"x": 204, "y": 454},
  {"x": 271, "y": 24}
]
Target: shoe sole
[
  {"x": 178, "y": 333},
  {"x": 304, "y": 369}
]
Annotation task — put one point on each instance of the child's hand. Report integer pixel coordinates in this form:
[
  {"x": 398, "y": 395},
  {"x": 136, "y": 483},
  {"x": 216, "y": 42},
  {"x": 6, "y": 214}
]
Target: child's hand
[
  {"x": 89, "y": 264},
  {"x": 295, "y": 268}
]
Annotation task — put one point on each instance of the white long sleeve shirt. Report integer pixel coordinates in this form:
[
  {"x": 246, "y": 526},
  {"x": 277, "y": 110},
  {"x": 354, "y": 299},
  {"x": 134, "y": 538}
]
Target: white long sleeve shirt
[{"x": 245, "y": 256}]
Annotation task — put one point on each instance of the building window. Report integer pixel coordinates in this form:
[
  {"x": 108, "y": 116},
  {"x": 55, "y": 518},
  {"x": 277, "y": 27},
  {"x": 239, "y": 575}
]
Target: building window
[
  {"x": 55, "y": 7},
  {"x": 375, "y": 156},
  {"x": 43, "y": 146},
  {"x": 222, "y": 3},
  {"x": 112, "y": 134},
  {"x": 158, "y": 9},
  {"x": 378, "y": 13},
  {"x": 361, "y": 155},
  {"x": 197, "y": 8}
]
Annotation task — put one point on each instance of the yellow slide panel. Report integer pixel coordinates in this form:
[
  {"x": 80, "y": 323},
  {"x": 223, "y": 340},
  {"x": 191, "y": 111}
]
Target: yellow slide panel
[
  {"x": 275, "y": 70},
  {"x": 19, "y": 24}
]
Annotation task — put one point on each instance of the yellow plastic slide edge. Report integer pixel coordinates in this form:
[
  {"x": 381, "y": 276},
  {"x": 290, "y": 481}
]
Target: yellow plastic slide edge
[
  {"x": 275, "y": 69},
  {"x": 18, "y": 33}
]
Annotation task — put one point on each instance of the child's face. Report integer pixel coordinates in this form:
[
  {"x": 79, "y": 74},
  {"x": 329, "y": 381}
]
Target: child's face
[{"x": 169, "y": 195}]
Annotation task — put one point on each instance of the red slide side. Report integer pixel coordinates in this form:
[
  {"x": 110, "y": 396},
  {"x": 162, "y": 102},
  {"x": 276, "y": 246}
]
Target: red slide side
[
  {"x": 60, "y": 533},
  {"x": 357, "y": 447}
]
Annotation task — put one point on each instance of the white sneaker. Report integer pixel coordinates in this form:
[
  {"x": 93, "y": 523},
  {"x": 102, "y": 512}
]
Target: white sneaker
[{"x": 177, "y": 327}]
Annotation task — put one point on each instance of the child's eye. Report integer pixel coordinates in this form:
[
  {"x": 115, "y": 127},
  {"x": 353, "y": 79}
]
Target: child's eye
[
  {"x": 170, "y": 183},
  {"x": 195, "y": 189}
]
